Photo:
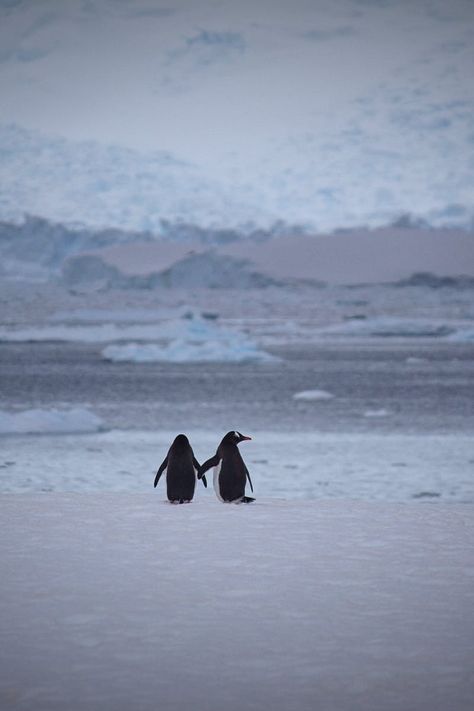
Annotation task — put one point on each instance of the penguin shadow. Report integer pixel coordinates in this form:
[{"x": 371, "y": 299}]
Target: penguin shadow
[{"x": 182, "y": 471}]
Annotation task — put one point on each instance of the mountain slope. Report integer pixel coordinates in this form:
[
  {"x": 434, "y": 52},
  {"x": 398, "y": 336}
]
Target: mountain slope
[{"x": 320, "y": 114}]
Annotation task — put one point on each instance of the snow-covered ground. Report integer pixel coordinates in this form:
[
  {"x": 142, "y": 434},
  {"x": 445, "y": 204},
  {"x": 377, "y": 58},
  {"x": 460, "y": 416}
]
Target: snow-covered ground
[
  {"x": 370, "y": 466},
  {"x": 121, "y": 601}
]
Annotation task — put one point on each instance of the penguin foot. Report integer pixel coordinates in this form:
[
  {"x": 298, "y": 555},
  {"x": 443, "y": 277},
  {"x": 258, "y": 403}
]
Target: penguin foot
[{"x": 247, "y": 499}]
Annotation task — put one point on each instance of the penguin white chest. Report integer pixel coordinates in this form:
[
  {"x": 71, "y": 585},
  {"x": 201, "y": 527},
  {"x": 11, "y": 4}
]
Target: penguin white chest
[{"x": 215, "y": 480}]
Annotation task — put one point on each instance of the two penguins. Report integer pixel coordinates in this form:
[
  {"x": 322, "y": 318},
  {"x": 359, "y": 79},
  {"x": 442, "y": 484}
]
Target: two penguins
[{"x": 230, "y": 473}]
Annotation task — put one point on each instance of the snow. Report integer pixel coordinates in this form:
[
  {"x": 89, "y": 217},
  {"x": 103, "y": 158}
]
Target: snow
[
  {"x": 125, "y": 602},
  {"x": 37, "y": 420},
  {"x": 313, "y": 395},
  {"x": 195, "y": 140},
  {"x": 372, "y": 466}
]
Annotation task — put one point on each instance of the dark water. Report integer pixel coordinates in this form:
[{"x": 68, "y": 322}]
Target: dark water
[{"x": 434, "y": 394}]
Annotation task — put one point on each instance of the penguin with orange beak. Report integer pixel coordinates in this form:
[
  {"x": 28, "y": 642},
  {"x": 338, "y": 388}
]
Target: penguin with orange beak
[{"x": 230, "y": 472}]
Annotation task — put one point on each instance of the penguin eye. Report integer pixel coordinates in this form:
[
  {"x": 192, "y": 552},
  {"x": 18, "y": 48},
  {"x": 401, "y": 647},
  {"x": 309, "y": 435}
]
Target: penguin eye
[{"x": 236, "y": 435}]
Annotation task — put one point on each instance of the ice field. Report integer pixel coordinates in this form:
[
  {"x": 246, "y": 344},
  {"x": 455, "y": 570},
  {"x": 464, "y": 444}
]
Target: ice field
[{"x": 120, "y": 601}]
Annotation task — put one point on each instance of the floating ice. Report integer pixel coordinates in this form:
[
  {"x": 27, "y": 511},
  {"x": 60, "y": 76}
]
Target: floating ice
[
  {"x": 387, "y": 326},
  {"x": 109, "y": 325},
  {"x": 465, "y": 335},
  {"x": 377, "y": 413},
  {"x": 190, "y": 339},
  {"x": 97, "y": 333},
  {"x": 233, "y": 350},
  {"x": 37, "y": 421},
  {"x": 313, "y": 395}
]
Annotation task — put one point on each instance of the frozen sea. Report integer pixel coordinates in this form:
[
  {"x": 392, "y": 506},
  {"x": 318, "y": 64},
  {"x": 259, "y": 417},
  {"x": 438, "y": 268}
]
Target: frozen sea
[
  {"x": 366, "y": 392},
  {"x": 346, "y": 586}
]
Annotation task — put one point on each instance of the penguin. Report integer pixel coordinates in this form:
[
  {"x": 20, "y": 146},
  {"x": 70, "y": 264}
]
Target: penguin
[
  {"x": 230, "y": 472},
  {"x": 180, "y": 467}
]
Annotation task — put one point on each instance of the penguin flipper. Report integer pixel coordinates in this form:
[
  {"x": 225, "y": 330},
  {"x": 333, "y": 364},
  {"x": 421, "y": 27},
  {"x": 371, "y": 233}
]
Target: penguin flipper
[
  {"x": 197, "y": 467},
  {"x": 160, "y": 471},
  {"x": 250, "y": 480},
  {"x": 212, "y": 462}
]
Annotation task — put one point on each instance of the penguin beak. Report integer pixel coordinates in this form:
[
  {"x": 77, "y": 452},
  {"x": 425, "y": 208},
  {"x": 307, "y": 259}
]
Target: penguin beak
[{"x": 244, "y": 437}]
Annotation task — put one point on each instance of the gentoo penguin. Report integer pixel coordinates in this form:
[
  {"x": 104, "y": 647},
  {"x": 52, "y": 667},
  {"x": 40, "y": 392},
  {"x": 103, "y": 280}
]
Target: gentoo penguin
[
  {"x": 180, "y": 467},
  {"x": 230, "y": 472}
]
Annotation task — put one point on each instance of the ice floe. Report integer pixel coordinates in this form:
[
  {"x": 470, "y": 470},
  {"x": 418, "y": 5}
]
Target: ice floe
[
  {"x": 313, "y": 395},
  {"x": 189, "y": 338},
  {"x": 387, "y": 326},
  {"x": 465, "y": 335},
  {"x": 38, "y": 421}
]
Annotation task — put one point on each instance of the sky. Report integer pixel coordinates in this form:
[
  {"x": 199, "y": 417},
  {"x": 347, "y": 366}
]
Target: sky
[{"x": 297, "y": 103}]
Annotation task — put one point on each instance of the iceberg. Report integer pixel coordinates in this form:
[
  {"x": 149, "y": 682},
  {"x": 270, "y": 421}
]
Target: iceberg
[{"x": 190, "y": 339}]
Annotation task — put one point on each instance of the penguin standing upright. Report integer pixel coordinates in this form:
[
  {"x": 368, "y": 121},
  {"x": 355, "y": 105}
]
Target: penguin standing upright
[
  {"x": 230, "y": 472},
  {"x": 180, "y": 467}
]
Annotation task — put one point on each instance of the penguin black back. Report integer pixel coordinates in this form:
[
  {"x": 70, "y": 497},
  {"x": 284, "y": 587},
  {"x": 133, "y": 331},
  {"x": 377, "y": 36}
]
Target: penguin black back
[
  {"x": 230, "y": 471},
  {"x": 180, "y": 467}
]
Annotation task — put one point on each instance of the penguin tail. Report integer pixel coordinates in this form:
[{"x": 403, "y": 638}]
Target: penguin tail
[{"x": 247, "y": 499}]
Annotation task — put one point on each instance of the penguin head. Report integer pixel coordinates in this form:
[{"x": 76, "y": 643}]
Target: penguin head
[
  {"x": 234, "y": 437},
  {"x": 181, "y": 441}
]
